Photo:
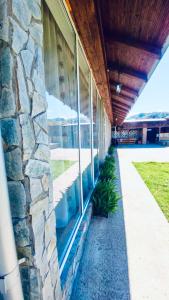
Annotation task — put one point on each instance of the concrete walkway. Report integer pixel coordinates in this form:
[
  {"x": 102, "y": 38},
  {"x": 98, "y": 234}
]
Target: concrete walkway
[{"x": 128, "y": 257}]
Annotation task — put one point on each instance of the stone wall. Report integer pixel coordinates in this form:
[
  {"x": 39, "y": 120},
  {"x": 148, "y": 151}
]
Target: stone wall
[{"x": 25, "y": 140}]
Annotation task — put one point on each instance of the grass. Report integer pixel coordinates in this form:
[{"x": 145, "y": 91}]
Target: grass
[
  {"x": 156, "y": 177},
  {"x": 60, "y": 166}
]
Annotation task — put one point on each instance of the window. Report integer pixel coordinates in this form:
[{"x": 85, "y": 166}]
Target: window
[
  {"x": 95, "y": 131},
  {"x": 75, "y": 115},
  {"x": 85, "y": 125},
  {"x": 61, "y": 94}
]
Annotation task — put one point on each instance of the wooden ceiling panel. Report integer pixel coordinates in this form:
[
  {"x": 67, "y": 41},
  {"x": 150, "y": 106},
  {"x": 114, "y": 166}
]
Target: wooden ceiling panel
[
  {"x": 126, "y": 80},
  {"x": 146, "y": 20},
  {"x": 124, "y": 41},
  {"x": 135, "y": 58},
  {"x": 86, "y": 21}
]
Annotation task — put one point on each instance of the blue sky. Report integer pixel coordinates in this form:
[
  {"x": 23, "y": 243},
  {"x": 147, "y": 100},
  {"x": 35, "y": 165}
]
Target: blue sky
[{"x": 155, "y": 95}]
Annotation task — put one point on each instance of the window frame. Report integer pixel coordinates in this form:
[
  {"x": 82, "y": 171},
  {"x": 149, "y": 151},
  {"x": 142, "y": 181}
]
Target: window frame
[{"x": 53, "y": 5}]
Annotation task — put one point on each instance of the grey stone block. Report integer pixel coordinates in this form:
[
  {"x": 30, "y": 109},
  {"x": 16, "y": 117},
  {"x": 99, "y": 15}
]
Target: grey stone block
[
  {"x": 21, "y": 232},
  {"x": 42, "y": 153},
  {"x": 30, "y": 88},
  {"x": 27, "y": 59},
  {"x": 35, "y": 284},
  {"x": 50, "y": 233},
  {"x": 23, "y": 96},
  {"x": 36, "y": 168},
  {"x": 22, "y": 12},
  {"x": 24, "y": 271},
  {"x": 35, "y": 189},
  {"x": 39, "y": 104},
  {"x": 34, "y": 9},
  {"x": 13, "y": 163},
  {"x": 36, "y": 31},
  {"x": 38, "y": 81},
  {"x": 4, "y": 28},
  {"x": 10, "y": 132},
  {"x": 39, "y": 62},
  {"x": 44, "y": 268},
  {"x": 27, "y": 136},
  {"x": 42, "y": 138},
  {"x": 17, "y": 198},
  {"x": 54, "y": 268},
  {"x": 47, "y": 288},
  {"x": 38, "y": 230},
  {"x": 45, "y": 183},
  {"x": 6, "y": 63},
  {"x": 19, "y": 36},
  {"x": 41, "y": 120},
  {"x": 37, "y": 129},
  {"x": 7, "y": 103},
  {"x": 30, "y": 44}
]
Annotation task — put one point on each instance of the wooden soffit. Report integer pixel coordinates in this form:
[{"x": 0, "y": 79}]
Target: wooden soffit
[
  {"x": 87, "y": 24},
  {"x": 124, "y": 41}
]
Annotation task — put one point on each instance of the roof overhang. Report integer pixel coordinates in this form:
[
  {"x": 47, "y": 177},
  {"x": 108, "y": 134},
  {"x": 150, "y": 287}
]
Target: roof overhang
[{"x": 124, "y": 41}]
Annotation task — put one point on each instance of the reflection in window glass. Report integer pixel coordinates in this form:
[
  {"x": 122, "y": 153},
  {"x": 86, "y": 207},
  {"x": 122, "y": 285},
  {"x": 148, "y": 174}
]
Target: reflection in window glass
[
  {"x": 101, "y": 132},
  {"x": 85, "y": 124},
  {"x": 61, "y": 94},
  {"x": 95, "y": 132}
]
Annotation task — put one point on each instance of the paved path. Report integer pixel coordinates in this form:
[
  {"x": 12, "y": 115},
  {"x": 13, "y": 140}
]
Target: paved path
[{"x": 128, "y": 257}]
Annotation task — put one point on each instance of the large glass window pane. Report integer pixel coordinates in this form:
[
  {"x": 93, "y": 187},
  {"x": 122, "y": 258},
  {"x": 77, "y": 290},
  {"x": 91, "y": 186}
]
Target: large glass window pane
[
  {"x": 61, "y": 94},
  {"x": 95, "y": 131},
  {"x": 85, "y": 124},
  {"x": 101, "y": 132}
]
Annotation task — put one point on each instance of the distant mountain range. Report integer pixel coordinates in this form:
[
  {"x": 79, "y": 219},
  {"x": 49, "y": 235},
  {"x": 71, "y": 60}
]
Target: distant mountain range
[{"x": 153, "y": 115}]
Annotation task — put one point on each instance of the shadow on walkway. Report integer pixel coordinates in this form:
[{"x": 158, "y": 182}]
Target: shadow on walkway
[{"x": 103, "y": 271}]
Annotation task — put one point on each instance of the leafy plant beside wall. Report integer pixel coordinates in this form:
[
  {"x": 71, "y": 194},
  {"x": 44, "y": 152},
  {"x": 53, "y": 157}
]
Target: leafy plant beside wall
[
  {"x": 105, "y": 196},
  {"x": 111, "y": 150}
]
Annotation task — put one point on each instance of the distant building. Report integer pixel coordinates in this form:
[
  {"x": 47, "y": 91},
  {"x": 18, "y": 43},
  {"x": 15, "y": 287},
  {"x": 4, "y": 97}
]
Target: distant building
[{"x": 143, "y": 131}]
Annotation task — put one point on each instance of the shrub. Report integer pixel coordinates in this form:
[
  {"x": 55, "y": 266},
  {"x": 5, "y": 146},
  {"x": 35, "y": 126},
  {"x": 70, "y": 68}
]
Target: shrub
[
  {"x": 111, "y": 150},
  {"x": 107, "y": 175},
  {"x": 104, "y": 196},
  {"x": 107, "y": 172}
]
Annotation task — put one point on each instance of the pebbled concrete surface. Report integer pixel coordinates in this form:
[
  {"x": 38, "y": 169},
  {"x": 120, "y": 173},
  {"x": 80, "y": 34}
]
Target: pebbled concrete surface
[
  {"x": 103, "y": 271},
  {"x": 110, "y": 272}
]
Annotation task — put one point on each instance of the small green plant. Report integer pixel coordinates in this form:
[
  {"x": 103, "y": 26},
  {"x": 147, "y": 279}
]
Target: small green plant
[
  {"x": 105, "y": 197},
  {"x": 108, "y": 169},
  {"x": 107, "y": 172},
  {"x": 111, "y": 150}
]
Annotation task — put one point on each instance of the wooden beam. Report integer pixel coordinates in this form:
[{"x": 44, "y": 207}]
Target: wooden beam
[
  {"x": 120, "y": 111},
  {"x": 118, "y": 106},
  {"x": 119, "y": 121},
  {"x": 118, "y": 117},
  {"x": 122, "y": 101},
  {"x": 121, "y": 114},
  {"x": 125, "y": 112},
  {"x": 121, "y": 69},
  {"x": 150, "y": 49},
  {"x": 126, "y": 99},
  {"x": 124, "y": 88},
  {"x": 125, "y": 107}
]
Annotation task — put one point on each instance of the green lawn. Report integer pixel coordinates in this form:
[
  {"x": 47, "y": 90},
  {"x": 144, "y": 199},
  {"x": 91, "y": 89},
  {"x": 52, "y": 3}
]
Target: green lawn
[
  {"x": 156, "y": 177},
  {"x": 60, "y": 166}
]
